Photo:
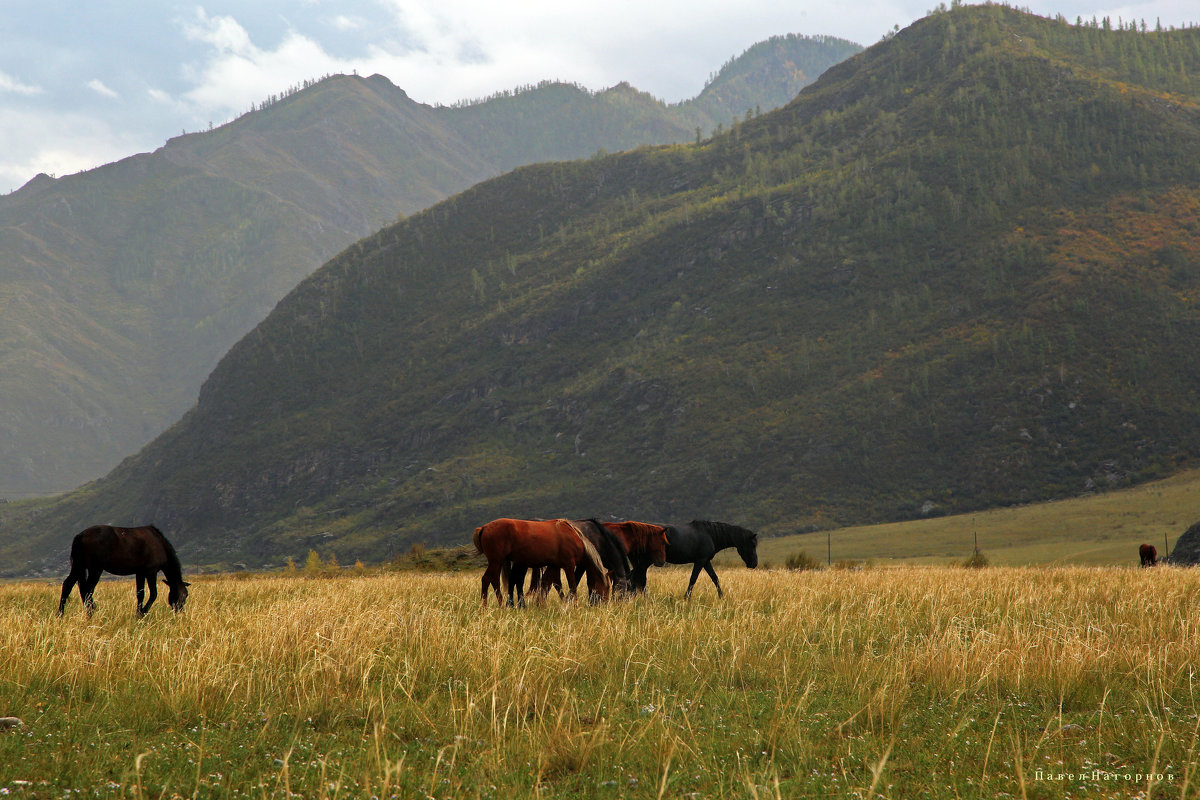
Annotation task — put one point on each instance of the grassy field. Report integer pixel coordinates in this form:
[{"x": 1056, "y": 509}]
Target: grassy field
[
  {"x": 1101, "y": 530},
  {"x": 903, "y": 682}
]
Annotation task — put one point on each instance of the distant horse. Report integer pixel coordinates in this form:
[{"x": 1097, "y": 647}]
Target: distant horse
[
  {"x": 1148, "y": 555},
  {"x": 696, "y": 543},
  {"x": 537, "y": 543},
  {"x": 142, "y": 552},
  {"x": 614, "y": 554}
]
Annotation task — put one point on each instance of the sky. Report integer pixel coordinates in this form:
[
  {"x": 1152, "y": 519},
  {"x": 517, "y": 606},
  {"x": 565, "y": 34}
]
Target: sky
[{"x": 86, "y": 83}]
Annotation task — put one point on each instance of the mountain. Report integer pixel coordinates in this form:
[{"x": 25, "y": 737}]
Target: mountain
[
  {"x": 121, "y": 287},
  {"x": 960, "y": 270}
]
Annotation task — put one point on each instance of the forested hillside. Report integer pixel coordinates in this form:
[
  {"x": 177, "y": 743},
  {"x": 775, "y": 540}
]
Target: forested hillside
[
  {"x": 961, "y": 270},
  {"x": 121, "y": 287}
]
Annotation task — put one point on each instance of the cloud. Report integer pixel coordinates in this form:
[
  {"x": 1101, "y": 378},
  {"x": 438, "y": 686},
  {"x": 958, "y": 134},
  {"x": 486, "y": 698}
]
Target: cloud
[
  {"x": 348, "y": 24},
  {"x": 61, "y": 144},
  {"x": 11, "y": 84},
  {"x": 236, "y": 74},
  {"x": 97, "y": 86}
]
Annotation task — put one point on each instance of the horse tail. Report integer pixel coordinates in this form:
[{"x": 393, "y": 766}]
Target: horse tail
[
  {"x": 594, "y": 557},
  {"x": 477, "y": 539},
  {"x": 76, "y": 545}
]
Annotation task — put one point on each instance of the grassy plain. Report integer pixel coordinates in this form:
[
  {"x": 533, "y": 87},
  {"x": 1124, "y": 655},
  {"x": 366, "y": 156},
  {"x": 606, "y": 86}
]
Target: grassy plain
[
  {"x": 901, "y": 682},
  {"x": 1099, "y": 530}
]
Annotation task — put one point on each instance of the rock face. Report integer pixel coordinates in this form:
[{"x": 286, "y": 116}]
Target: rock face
[{"x": 1187, "y": 549}]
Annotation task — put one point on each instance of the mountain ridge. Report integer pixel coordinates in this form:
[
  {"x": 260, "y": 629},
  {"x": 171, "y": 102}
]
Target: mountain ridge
[
  {"x": 181, "y": 251},
  {"x": 899, "y": 295}
]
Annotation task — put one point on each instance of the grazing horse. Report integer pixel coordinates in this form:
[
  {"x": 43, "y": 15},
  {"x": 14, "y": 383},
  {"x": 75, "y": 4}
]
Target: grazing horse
[
  {"x": 696, "y": 543},
  {"x": 537, "y": 543},
  {"x": 1148, "y": 555},
  {"x": 143, "y": 552},
  {"x": 642, "y": 539},
  {"x": 614, "y": 554}
]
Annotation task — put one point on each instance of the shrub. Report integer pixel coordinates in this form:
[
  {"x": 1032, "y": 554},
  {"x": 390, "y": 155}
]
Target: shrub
[
  {"x": 801, "y": 561},
  {"x": 977, "y": 560}
]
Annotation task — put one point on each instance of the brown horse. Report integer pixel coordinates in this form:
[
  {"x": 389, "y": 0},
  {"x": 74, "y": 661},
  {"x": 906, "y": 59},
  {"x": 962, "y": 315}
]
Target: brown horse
[
  {"x": 614, "y": 554},
  {"x": 528, "y": 544},
  {"x": 143, "y": 552},
  {"x": 1148, "y": 555},
  {"x": 642, "y": 539}
]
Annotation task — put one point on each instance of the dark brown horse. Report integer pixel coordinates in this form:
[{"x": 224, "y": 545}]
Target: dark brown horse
[
  {"x": 614, "y": 554},
  {"x": 644, "y": 540},
  {"x": 527, "y": 544},
  {"x": 142, "y": 552},
  {"x": 1148, "y": 555}
]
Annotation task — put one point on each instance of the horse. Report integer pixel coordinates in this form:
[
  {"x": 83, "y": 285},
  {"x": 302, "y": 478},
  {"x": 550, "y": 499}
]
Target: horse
[
  {"x": 614, "y": 554},
  {"x": 696, "y": 543},
  {"x": 142, "y": 552},
  {"x": 635, "y": 538},
  {"x": 642, "y": 539},
  {"x": 1148, "y": 555},
  {"x": 537, "y": 543}
]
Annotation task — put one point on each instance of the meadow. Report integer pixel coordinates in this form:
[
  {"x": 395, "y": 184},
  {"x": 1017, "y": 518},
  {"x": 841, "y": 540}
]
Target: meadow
[
  {"x": 898, "y": 682},
  {"x": 1103, "y": 529}
]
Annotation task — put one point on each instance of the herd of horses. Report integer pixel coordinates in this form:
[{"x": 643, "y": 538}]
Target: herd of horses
[{"x": 613, "y": 555}]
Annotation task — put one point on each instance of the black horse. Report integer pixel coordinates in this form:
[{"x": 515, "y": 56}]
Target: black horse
[
  {"x": 143, "y": 552},
  {"x": 612, "y": 554},
  {"x": 696, "y": 543}
]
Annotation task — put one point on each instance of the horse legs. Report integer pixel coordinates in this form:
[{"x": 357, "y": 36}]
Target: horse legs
[
  {"x": 713, "y": 574},
  {"x": 141, "y": 580},
  {"x": 637, "y": 577},
  {"x": 87, "y": 587},
  {"x": 572, "y": 582},
  {"x": 517, "y": 581},
  {"x": 75, "y": 576},
  {"x": 491, "y": 578}
]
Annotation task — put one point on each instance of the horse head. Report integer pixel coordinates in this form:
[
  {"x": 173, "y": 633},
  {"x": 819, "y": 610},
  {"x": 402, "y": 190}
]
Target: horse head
[
  {"x": 177, "y": 595},
  {"x": 748, "y": 550},
  {"x": 656, "y": 544}
]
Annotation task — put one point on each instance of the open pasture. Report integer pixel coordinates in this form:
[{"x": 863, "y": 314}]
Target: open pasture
[
  {"x": 901, "y": 682},
  {"x": 1099, "y": 530}
]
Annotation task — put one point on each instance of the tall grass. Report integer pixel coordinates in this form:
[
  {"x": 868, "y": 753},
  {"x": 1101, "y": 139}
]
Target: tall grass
[{"x": 934, "y": 681}]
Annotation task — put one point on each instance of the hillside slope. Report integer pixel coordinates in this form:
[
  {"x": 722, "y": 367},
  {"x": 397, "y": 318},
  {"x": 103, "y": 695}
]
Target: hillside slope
[
  {"x": 121, "y": 287},
  {"x": 959, "y": 271}
]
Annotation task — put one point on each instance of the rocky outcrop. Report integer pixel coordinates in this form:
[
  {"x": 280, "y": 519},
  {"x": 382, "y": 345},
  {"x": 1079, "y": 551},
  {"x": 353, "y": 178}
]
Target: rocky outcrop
[{"x": 1187, "y": 549}]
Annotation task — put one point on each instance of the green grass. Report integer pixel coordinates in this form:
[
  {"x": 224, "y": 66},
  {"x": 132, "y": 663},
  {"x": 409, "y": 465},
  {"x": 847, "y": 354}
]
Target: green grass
[
  {"x": 917, "y": 681},
  {"x": 1101, "y": 530}
]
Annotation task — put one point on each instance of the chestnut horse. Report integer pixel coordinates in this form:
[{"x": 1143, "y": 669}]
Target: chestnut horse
[
  {"x": 143, "y": 552},
  {"x": 537, "y": 543},
  {"x": 1148, "y": 555},
  {"x": 642, "y": 539}
]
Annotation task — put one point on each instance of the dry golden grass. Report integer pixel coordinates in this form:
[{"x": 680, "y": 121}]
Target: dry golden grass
[{"x": 888, "y": 682}]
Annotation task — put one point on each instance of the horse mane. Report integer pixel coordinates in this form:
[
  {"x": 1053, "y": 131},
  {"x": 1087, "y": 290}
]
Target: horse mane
[
  {"x": 644, "y": 530},
  {"x": 615, "y": 542},
  {"x": 590, "y": 550},
  {"x": 173, "y": 564},
  {"x": 724, "y": 529}
]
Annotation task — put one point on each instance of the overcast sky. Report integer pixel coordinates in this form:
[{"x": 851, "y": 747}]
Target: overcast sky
[{"x": 86, "y": 83}]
